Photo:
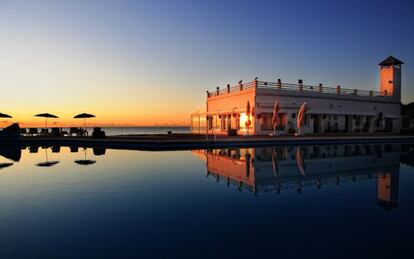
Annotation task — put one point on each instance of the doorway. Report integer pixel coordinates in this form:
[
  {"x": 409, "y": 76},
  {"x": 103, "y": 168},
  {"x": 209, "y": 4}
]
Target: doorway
[{"x": 316, "y": 123}]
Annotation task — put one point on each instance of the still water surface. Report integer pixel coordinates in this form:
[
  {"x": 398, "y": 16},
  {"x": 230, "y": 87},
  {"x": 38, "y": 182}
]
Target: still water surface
[{"x": 314, "y": 201}]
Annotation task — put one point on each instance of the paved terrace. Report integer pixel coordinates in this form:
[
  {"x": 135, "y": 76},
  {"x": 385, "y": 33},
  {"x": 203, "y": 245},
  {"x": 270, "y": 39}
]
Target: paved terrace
[{"x": 192, "y": 141}]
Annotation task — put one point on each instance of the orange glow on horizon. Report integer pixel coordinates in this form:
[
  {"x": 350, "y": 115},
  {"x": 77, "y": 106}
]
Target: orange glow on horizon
[{"x": 108, "y": 120}]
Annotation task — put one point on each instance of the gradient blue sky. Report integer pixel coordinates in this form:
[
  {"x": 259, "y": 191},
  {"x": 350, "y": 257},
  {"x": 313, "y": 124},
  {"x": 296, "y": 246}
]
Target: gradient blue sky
[{"x": 148, "y": 62}]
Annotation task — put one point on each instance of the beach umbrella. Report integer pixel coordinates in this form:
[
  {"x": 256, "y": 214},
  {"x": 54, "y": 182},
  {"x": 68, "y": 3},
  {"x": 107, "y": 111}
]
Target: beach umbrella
[
  {"x": 275, "y": 117},
  {"x": 300, "y": 162},
  {"x": 84, "y": 116},
  {"x": 2, "y": 115},
  {"x": 301, "y": 116},
  {"x": 46, "y": 116}
]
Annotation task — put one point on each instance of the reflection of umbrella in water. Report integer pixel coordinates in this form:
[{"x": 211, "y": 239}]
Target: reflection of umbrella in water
[
  {"x": 46, "y": 116},
  {"x": 4, "y": 165},
  {"x": 47, "y": 163},
  {"x": 275, "y": 164},
  {"x": 300, "y": 162},
  {"x": 85, "y": 161}
]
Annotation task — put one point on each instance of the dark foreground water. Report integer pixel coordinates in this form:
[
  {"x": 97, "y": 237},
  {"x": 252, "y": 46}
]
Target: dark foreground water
[{"x": 315, "y": 201}]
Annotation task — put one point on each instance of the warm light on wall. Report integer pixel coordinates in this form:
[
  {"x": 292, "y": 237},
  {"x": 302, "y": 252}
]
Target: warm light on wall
[{"x": 243, "y": 119}]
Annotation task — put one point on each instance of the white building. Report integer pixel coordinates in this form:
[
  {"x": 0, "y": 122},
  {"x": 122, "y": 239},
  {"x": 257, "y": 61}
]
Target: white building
[{"x": 329, "y": 109}]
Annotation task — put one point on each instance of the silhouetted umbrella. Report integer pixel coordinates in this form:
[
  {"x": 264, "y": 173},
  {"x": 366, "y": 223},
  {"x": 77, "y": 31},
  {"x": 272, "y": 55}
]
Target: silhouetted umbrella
[
  {"x": 85, "y": 161},
  {"x": 46, "y": 116},
  {"x": 47, "y": 163},
  {"x": 84, "y": 116},
  {"x": 4, "y": 165},
  {"x": 2, "y": 115}
]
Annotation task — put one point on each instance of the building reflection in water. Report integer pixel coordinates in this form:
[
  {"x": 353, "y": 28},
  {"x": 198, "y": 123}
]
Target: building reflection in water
[{"x": 281, "y": 168}]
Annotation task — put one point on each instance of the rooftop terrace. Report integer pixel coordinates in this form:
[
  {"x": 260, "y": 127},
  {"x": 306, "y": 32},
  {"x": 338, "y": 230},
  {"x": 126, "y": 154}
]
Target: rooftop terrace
[{"x": 300, "y": 87}]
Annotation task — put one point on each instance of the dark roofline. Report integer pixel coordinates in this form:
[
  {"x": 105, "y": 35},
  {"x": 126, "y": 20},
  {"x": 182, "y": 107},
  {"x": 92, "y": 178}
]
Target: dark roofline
[{"x": 391, "y": 61}]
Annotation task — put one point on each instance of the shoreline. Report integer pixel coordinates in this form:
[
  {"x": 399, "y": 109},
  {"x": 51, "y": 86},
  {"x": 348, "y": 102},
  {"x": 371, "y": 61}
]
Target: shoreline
[{"x": 189, "y": 142}]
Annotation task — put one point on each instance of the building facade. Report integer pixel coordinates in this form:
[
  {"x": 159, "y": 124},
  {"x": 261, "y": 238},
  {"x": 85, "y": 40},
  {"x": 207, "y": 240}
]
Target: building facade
[{"x": 248, "y": 108}]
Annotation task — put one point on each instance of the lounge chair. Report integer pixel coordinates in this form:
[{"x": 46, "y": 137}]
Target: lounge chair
[
  {"x": 72, "y": 131},
  {"x": 78, "y": 132},
  {"x": 56, "y": 132},
  {"x": 23, "y": 131},
  {"x": 33, "y": 131},
  {"x": 44, "y": 132},
  {"x": 63, "y": 132},
  {"x": 98, "y": 133}
]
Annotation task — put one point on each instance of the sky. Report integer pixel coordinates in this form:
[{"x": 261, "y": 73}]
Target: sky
[{"x": 136, "y": 63}]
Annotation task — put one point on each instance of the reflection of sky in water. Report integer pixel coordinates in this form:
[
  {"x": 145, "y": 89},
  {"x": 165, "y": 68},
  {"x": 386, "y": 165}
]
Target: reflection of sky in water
[{"x": 166, "y": 204}]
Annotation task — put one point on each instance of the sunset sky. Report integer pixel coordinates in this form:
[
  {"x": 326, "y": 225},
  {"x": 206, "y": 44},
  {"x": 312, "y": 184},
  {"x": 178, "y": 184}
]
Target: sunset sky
[{"x": 150, "y": 62}]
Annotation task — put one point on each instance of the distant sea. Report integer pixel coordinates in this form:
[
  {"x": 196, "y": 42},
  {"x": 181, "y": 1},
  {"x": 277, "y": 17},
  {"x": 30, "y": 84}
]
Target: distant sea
[{"x": 112, "y": 131}]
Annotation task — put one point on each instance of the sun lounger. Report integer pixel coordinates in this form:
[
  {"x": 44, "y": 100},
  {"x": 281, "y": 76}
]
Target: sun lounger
[
  {"x": 23, "y": 131},
  {"x": 33, "y": 131},
  {"x": 98, "y": 133},
  {"x": 56, "y": 132},
  {"x": 78, "y": 132},
  {"x": 44, "y": 132}
]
